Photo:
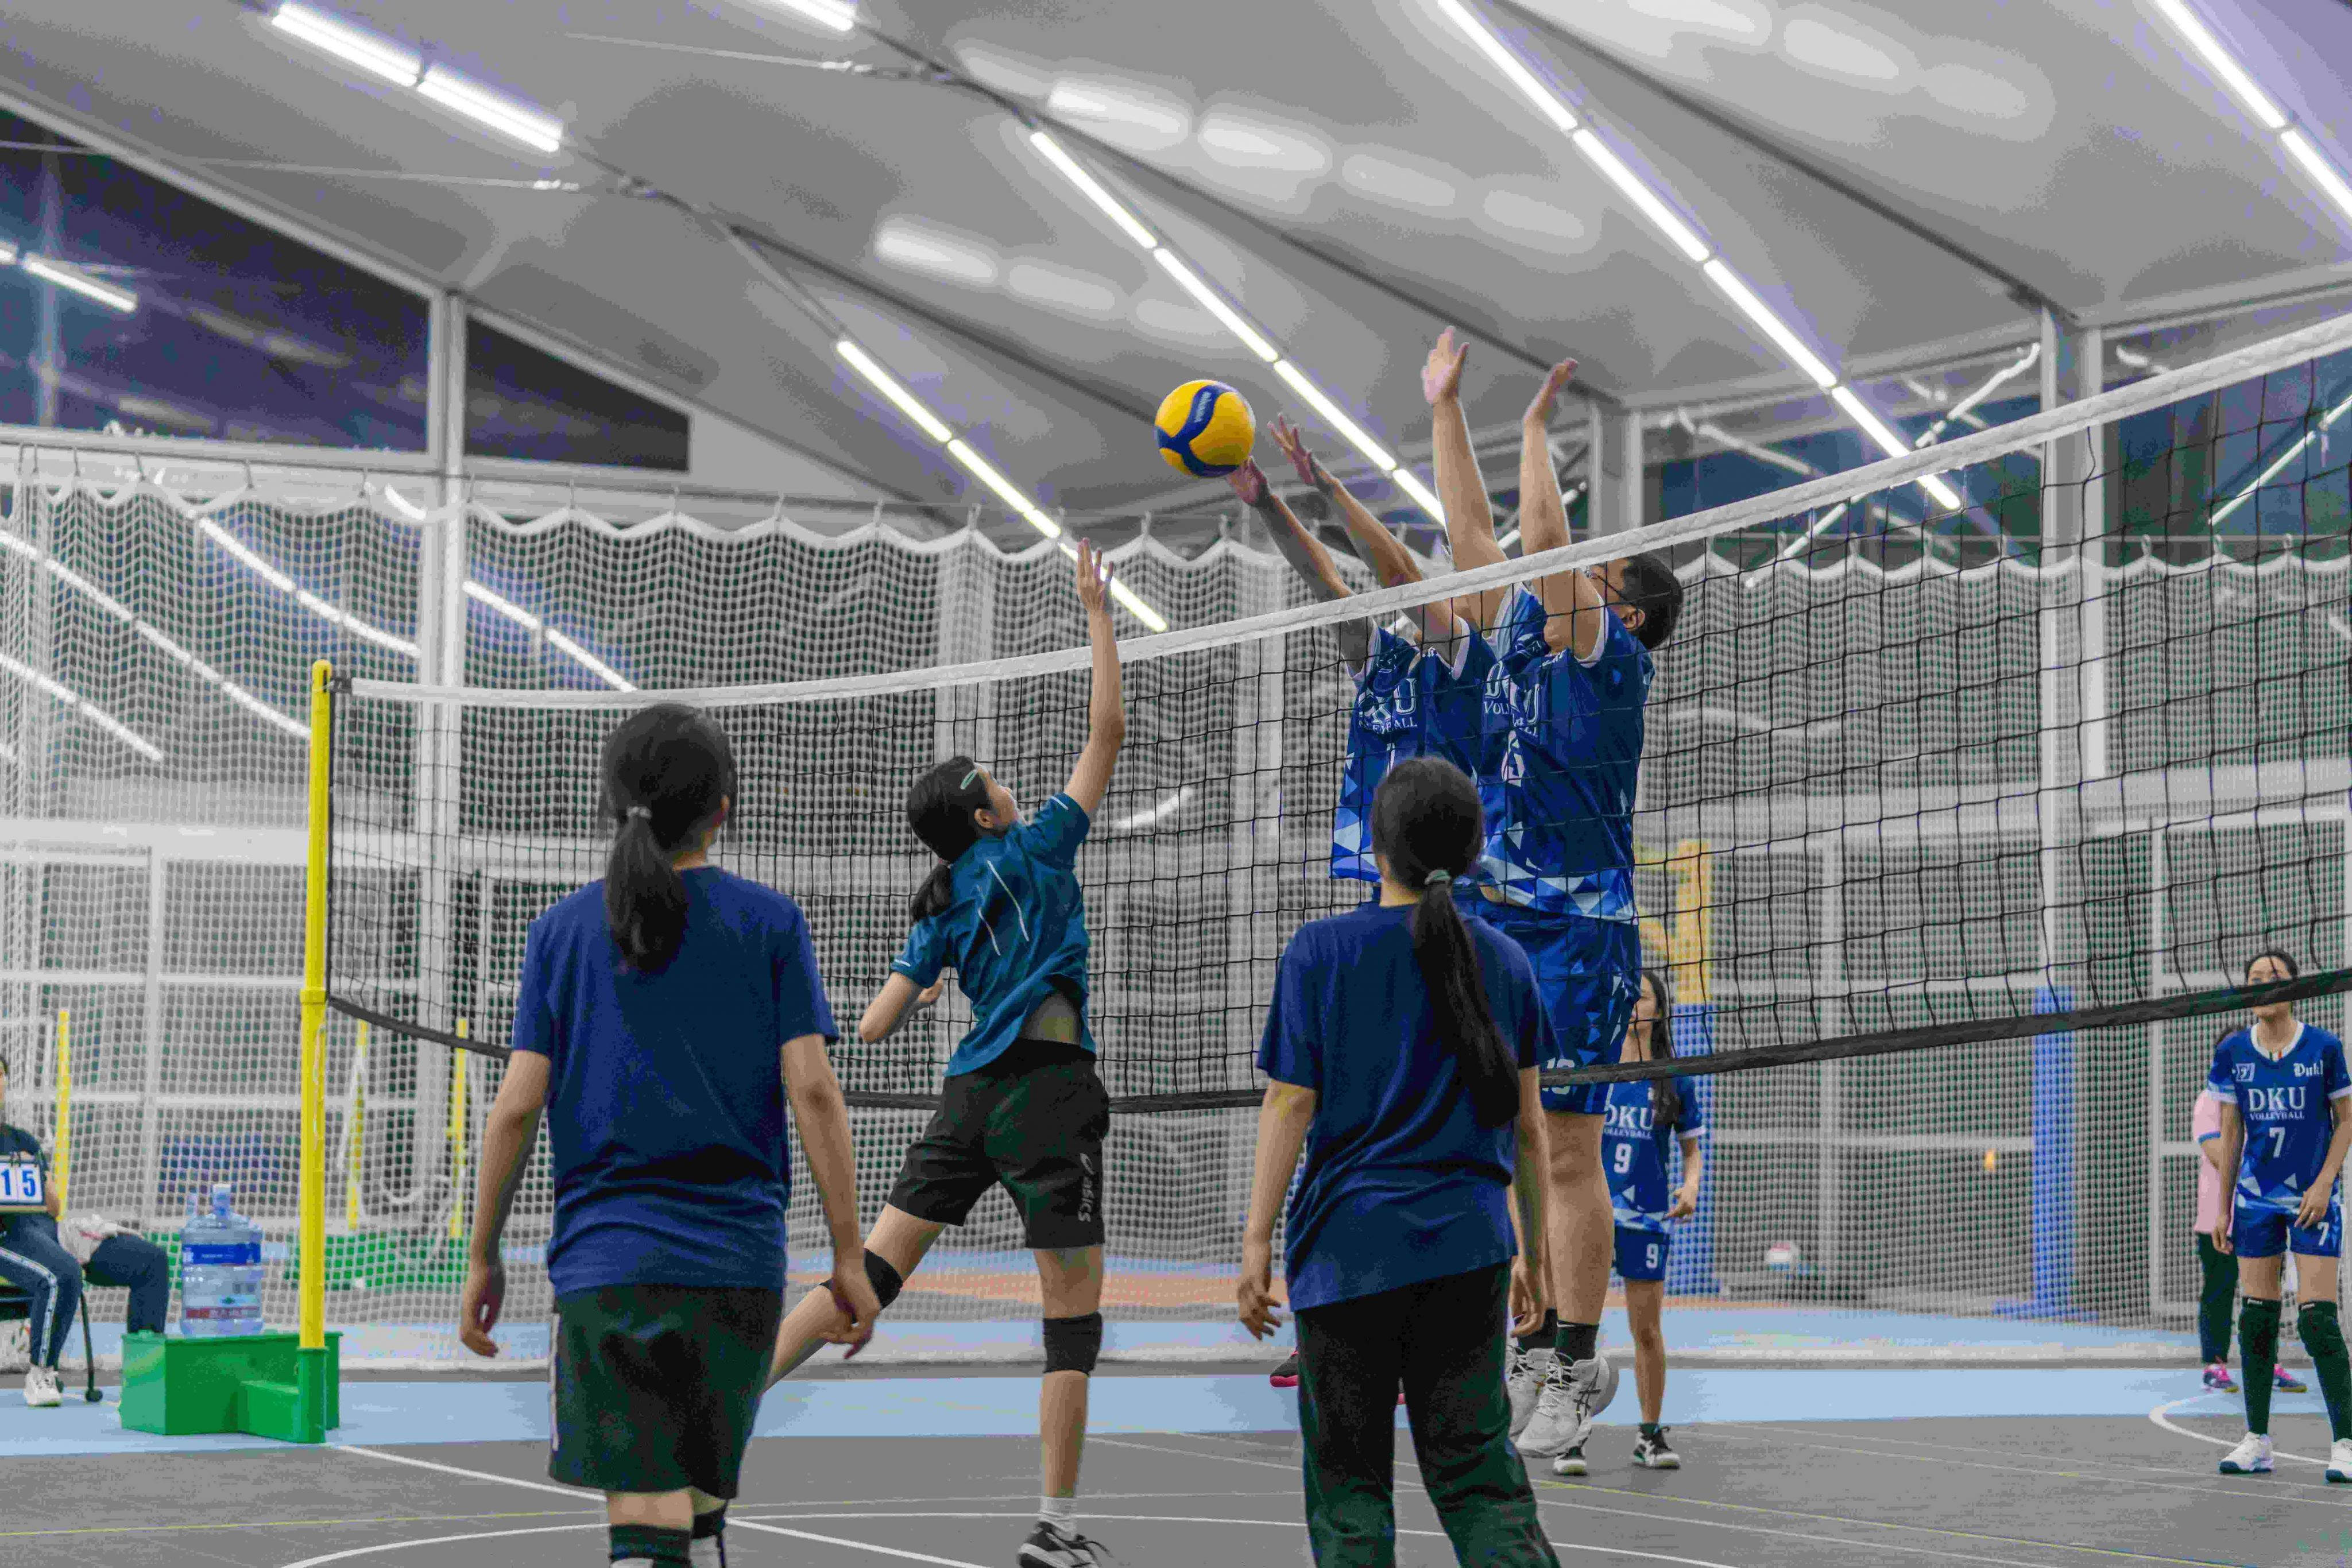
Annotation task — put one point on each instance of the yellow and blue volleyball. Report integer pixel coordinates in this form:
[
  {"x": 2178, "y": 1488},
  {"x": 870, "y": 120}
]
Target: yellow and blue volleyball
[{"x": 1205, "y": 429}]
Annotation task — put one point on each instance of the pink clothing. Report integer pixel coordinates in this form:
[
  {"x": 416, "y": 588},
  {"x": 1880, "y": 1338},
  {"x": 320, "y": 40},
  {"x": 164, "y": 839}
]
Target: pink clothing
[{"x": 2204, "y": 1126}]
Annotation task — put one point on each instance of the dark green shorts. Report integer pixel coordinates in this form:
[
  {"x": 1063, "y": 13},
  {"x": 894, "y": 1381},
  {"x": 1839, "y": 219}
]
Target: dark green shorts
[
  {"x": 655, "y": 1387},
  {"x": 1034, "y": 1119}
]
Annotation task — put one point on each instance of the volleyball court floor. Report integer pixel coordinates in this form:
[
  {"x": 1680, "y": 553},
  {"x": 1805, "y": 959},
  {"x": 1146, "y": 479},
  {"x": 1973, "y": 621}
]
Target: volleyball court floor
[{"x": 2019, "y": 1467}]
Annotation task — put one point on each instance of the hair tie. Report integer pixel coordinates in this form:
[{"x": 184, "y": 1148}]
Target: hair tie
[
  {"x": 1439, "y": 879},
  {"x": 644, "y": 814}
]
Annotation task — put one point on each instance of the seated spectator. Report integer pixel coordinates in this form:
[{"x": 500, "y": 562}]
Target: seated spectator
[{"x": 36, "y": 1258}]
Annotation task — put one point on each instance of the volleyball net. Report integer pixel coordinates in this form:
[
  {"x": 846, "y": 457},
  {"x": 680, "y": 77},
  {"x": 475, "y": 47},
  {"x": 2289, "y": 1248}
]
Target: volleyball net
[{"x": 2024, "y": 779}]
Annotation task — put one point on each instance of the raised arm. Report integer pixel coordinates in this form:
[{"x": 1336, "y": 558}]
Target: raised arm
[
  {"x": 1575, "y": 611},
  {"x": 1292, "y": 537},
  {"x": 1460, "y": 487},
  {"x": 898, "y": 997},
  {"x": 1391, "y": 563},
  {"x": 1107, "y": 710}
]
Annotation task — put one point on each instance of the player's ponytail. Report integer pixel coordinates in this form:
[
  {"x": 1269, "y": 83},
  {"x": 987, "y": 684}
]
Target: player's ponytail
[
  {"x": 1427, "y": 823},
  {"x": 669, "y": 776},
  {"x": 940, "y": 805}
]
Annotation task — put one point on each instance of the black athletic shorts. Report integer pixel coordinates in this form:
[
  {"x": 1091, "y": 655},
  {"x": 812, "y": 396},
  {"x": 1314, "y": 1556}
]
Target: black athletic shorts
[
  {"x": 655, "y": 1387},
  {"x": 1034, "y": 1119}
]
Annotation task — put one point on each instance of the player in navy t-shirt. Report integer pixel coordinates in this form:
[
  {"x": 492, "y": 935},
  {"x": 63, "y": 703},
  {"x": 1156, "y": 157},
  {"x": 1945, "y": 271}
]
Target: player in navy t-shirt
[
  {"x": 664, "y": 1019},
  {"x": 1645, "y": 1118},
  {"x": 1575, "y": 649},
  {"x": 1401, "y": 1049},
  {"x": 1022, "y": 1106},
  {"x": 2286, "y": 1121}
]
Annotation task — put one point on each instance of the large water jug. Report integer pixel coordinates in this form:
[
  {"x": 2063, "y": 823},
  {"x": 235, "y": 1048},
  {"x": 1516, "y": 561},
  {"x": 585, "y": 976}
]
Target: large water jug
[{"x": 220, "y": 1271}]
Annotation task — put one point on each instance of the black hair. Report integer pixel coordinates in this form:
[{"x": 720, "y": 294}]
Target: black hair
[
  {"x": 1649, "y": 586},
  {"x": 1666, "y": 1093},
  {"x": 2286, "y": 958},
  {"x": 940, "y": 805},
  {"x": 668, "y": 773},
  {"x": 1427, "y": 823}
]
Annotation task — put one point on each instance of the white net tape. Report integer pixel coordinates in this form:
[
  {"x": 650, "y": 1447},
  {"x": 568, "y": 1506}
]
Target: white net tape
[{"x": 1880, "y": 790}]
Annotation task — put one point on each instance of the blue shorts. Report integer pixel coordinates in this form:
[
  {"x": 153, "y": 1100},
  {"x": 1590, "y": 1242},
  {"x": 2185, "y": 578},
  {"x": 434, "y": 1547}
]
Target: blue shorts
[
  {"x": 1587, "y": 973},
  {"x": 1642, "y": 1254},
  {"x": 2266, "y": 1233}
]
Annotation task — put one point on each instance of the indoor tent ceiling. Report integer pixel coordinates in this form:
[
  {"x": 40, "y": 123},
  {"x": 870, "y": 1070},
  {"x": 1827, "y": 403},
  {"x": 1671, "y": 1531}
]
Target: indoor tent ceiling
[{"x": 1350, "y": 172}]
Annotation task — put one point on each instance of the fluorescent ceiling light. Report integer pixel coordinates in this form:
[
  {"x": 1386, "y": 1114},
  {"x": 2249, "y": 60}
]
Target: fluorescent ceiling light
[
  {"x": 1214, "y": 304},
  {"x": 910, "y": 246},
  {"x": 1083, "y": 178},
  {"x": 7, "y": 254},
  {"x": 2322, "y": 173},
  {"x": 1405, "y": 480},
  {"x": 1735, "y": 289},
  {"x": 1334, "y": 416},
  {"x": 2241, "y": 86},
  {"x": 1113, "y": 104},
  {"x": 1890, "y": 443},
  {"x": 2279, "y": 463},
  {"x": 1515, "y": 70},
  {"x": 354, "y": 45},
  {"x": 555, "y": 639},
  {"x": 886, "y": 384},
  {"x": 82, "y": 283},
  {"x": 1667, "y": 222},
  {"x": 834, "y": 14},
  {"x": 84, "y": 707},
  {"x": 1006, "y": 491},
  {"x": 525, "y": 124}
]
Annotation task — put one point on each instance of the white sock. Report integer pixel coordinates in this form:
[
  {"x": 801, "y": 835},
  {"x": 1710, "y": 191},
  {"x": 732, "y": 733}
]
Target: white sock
[
  {"x": 1061, "y": 1512},
  {"x": 703, "y": 1552}
]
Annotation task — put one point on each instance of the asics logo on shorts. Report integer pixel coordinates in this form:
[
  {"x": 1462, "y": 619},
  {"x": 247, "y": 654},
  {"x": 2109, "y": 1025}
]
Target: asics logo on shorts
[{"x": 1086, "y": 1187}]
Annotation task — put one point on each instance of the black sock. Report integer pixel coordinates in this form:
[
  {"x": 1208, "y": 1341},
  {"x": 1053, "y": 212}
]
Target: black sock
[
  {"x": 2323, "y": 1336},
  {"x": 1576, "y": 1340},
  {"x": 2257, "y": 1326},
  {"x": 1544, "y": 1337},
  {"x": 650, "y": 1542},
  {"x": 1651, "y": 1429}
]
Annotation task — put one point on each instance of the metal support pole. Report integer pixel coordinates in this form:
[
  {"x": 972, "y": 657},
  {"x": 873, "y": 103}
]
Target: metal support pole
[
  {"x": 2158, "y": 891},
  {"x": 153, "y": 1210},
  {"x": 1829, "y": 1165}
]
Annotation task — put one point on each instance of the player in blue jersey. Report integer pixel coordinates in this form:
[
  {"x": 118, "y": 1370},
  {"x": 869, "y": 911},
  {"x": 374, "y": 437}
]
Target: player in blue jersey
[
  {"x": 1575, "y": 649},
  {"x": 2286, "y": 1121},
  {"x": 1428, "y": 683},
  {"x": 1023, "y": 1107},
  {"x": 1644, "y": 1120}
]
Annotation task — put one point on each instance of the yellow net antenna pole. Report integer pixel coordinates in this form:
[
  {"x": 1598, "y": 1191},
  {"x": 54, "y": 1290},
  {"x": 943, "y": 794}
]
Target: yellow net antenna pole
[
  {"x": 460, "y": 1066},
  {"x": 62, "y": 1113},
  {"x": 355, "y": 1130},
  {"x": 311, "y": 1365}
]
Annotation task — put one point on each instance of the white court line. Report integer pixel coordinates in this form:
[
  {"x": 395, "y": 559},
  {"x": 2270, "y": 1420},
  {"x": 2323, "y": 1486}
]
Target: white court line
[
  {"x": 2162, "y": 1415},
  {"x": 347, "y": 1555},
  {"x": 1548, "y": 1497}
]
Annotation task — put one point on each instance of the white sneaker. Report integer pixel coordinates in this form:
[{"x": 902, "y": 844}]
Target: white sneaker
[
  {"x": 1570, "y": 1463},
  {"x": 2252, "y": 1456},
  {"x": 2339, "y": 1460},
  {"x": 1574, "y": 1394},
  {"x": 41, "y": 1390},
  {"x": 1529, "y": 1370}
]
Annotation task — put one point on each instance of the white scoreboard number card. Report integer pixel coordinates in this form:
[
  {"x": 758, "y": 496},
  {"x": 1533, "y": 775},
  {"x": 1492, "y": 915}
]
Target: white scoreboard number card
[{"x": 20, "y": 1185}]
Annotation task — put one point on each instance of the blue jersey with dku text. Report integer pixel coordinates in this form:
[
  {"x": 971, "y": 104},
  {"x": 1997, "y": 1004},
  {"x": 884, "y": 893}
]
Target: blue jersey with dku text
[
  {"x": 1447, "y": 701},
  {"x": 2288, "y": 1104}
]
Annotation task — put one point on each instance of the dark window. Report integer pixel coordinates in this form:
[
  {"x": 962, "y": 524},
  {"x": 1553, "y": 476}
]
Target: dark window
[
  {"x": 520, "y": 403},
  {"x": 239, "y": 333}
]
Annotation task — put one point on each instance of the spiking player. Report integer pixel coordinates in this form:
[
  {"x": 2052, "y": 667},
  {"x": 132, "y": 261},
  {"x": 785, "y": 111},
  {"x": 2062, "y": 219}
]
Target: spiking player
[
  {"x": 1575, "y": 650},
  {"x": 1427, "y": 685},
  {"x": 2286, "y": 1121}
]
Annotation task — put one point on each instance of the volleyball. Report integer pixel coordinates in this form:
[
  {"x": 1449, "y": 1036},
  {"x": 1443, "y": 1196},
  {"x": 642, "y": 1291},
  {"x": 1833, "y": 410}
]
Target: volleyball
[{"x": 1205, "y": 429}]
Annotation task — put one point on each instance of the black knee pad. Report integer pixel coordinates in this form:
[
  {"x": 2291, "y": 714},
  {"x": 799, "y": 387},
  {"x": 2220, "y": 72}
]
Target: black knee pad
[
  {"x": 2258, "y": 1324},
  {"x": 886, "y": 1281},
  {"x": 2322, "y": 1332},
  {"x": 1074, "y": 1345}
]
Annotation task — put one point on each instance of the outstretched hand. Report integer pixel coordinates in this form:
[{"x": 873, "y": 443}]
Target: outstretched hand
[
  {"x": 1094, "y": 579},
  {"x": 1293, "y": 446},
  {"x": 1248, "y": 482},
  {"x": 1540, "y": 411},
  {"x": 1441, "y": 376}
]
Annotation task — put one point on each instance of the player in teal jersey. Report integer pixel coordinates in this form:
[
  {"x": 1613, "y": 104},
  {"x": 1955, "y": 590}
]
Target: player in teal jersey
[{"x": 2286, "y": 1121}]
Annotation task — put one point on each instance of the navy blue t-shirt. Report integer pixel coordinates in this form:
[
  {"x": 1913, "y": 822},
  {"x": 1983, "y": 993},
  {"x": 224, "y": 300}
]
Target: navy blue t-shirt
[
  {"x": 665, "y": 1093},
  {"x": 1399, "y": 1183},
  {"x": 2287, "y": 1103}
]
